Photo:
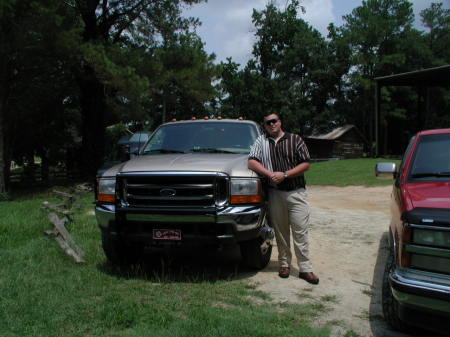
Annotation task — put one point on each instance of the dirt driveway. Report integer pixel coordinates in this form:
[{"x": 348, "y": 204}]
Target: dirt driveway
[{"x": 348, "y": 248}]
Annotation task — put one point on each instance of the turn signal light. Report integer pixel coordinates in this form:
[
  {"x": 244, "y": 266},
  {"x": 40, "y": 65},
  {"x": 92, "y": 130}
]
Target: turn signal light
[
  {"x": 246, "y": 199},
  {"x": 107, "y": 198},
  {"x": 404, "y": 256}
]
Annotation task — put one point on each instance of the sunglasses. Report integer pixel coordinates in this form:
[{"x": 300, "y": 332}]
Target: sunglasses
[{"x": 271, "y": 121}]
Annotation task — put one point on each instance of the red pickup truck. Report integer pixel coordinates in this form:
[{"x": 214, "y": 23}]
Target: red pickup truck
[{"x": 416, "y": 281}]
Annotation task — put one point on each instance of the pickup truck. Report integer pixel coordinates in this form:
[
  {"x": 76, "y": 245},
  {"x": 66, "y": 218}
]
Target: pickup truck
[
  {"x": 189, "y": 187},
  {"x": 416, "y": 281}
]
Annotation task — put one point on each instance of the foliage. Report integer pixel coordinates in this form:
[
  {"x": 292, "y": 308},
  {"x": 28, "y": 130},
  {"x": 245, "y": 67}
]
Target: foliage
[
  {"x": 289, "y": 73},
  {"x": 437, "y": 20},
  {"x": 69, "y": 69},
  {"x": 75, "y": 67}
]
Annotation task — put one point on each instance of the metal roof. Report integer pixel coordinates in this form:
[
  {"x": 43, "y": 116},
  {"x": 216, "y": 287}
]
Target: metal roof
[
  {"x": 333, "y": 134},
  {"x": 438, "y": 76}
]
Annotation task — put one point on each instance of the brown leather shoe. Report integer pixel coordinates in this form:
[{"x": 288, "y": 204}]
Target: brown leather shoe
[
  {"x": 284, "y": 272},
  {"x": 309, "y": 277}
]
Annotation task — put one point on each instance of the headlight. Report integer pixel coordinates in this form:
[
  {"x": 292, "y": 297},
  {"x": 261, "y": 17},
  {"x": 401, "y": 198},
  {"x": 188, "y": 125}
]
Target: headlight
[
  {"x": 245, "y": 191},
  {"x": 106, "y": 189},
  {"x": 431, "y": 238}
]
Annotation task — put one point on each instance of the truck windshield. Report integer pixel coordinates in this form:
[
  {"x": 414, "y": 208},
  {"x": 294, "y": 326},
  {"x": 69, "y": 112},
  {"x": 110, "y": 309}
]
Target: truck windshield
[
  {"x": 432, "y": 158},
  {"x": 207, "y": 137}
]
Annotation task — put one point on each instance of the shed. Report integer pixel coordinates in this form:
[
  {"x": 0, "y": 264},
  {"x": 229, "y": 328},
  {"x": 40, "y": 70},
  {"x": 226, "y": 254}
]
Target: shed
[
  {"x": 424, "y": 78},
  {"x": 342, "y": 142}
]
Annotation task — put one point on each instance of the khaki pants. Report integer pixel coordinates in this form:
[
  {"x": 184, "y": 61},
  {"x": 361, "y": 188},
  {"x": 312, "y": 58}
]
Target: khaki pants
[{"x": 290, "y": 211}]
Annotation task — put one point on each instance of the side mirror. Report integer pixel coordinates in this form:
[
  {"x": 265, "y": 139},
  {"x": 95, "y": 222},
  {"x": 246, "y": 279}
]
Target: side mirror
[{"x": 386, "y": 170}]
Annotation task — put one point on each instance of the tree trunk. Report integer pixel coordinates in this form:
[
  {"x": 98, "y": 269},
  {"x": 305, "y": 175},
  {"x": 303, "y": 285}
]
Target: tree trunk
[
  {"x": 3, "y": 100},
  {"x": 93, "y": 111},
  {"x": 2, "y": 150}
]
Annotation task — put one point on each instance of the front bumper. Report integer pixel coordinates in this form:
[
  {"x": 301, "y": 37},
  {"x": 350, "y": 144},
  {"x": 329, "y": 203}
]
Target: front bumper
[
  {"x": 420, "y": 291},
  {"x": 229, "y": 225}
]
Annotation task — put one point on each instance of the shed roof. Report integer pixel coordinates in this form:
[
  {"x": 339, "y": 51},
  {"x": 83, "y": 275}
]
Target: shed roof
[
  {"x": 335, "y": 133},
  {"x": 438, "y": 76}
]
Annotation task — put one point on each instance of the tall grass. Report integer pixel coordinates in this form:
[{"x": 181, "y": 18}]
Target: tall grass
[{"x": 43, "y": 292}]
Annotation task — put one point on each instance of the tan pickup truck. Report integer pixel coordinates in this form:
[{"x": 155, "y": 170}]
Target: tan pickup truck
[{"x": 188, "y": 187}]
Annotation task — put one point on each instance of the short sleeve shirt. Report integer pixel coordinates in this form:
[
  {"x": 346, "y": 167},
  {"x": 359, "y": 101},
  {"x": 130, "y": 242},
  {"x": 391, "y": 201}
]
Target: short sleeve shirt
[{"x": 281, "y": 156}]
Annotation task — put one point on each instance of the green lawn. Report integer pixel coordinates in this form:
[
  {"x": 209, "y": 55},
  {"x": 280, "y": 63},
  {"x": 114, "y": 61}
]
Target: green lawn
[
  {"x": 347, "y": 172},
  {"x": 43, "y": 292}
]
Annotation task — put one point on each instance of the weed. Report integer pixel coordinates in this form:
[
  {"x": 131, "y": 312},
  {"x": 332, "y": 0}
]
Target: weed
[
  {"x": 329, "y": 298},
  {"x": 368, "y": 292}
]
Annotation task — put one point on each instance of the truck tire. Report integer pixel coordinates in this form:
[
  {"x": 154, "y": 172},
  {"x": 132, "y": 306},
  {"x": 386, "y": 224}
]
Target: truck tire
[
  {"x": 117, "y": 252},
  {"x": 389, "y": 303},
  {"x": 254, "y": 254}
]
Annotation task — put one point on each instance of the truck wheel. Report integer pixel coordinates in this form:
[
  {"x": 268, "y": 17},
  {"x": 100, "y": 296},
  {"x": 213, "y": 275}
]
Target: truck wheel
[
  {"x": 255, "y": 253},
  {"x": 390, "y": 304},
  {"x": 117, "y": 252}
]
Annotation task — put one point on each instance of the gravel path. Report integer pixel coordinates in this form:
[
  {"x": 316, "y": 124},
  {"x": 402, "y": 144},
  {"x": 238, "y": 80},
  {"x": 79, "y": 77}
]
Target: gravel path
[{"x": 348, "y": 248}]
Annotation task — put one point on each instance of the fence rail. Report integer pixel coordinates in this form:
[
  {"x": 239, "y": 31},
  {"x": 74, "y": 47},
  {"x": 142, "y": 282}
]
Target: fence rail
[{"x": 35, "y": 176}]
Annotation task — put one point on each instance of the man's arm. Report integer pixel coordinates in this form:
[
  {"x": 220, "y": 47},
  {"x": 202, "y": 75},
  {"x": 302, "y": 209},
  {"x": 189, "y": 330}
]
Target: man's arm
[
  {"x": 299, "y": 169},
  {"x": 257, "y": 167},
  {"x": 278, "y": 177}
]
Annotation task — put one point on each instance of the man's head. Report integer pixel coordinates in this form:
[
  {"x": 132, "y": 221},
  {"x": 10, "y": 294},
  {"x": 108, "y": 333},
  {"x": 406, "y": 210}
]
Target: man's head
[{"x": 272, "y": 124}]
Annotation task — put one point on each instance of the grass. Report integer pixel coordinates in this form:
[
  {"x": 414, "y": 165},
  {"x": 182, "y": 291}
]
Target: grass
[
  {"x": 347, "y": 172},
  {"x": 43, "y": 292}
]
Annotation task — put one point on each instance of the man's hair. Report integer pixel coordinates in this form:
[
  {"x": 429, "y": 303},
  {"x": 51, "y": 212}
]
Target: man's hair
[{"x": 274, "y": 113}]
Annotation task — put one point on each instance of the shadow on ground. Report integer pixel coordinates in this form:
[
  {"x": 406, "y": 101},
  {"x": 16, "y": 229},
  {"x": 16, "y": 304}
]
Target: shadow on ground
[{"x": 184, "y": 266}]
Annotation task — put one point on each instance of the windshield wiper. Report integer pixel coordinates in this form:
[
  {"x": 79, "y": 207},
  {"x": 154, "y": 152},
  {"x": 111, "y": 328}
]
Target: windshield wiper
[
  {"x": 211, "y": 150},
  {"x": 162, "y": 151},
  {"x": 431, "y": 174}
]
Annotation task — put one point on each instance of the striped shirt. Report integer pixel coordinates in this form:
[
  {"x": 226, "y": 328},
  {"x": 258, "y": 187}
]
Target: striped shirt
[{"x": 281, "y": 156}]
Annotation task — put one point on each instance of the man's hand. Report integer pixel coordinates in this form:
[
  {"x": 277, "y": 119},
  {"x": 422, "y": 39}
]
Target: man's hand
[{"x": 277, "y": 177}]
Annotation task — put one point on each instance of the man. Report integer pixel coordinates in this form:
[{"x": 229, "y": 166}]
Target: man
[{"x": 283, "y": 157}]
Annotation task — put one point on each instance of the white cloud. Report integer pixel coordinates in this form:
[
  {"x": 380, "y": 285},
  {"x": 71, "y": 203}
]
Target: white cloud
[
  {"x": 319, "y": 14},
  {"x": 228, "y": 31}
]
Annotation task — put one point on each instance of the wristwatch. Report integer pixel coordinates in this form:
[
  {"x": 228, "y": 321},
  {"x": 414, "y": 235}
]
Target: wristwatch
[{"x": 285, "y": 175}]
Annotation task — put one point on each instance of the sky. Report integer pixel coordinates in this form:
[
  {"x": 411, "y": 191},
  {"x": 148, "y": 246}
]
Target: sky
[{"x": 227, "y": 28}]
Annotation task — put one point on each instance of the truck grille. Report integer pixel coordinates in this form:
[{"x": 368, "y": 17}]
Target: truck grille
[
  {"x": 428, "y": 245},
  {"x": 173, "y": 189}
]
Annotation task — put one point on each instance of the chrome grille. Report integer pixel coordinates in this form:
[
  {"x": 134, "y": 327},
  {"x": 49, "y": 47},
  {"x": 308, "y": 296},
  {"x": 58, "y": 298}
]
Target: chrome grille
[{"x": 173, "y": 190}]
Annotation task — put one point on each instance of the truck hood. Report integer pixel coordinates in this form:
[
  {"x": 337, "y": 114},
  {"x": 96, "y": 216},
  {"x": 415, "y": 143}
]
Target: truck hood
[
  {"x": 234, "y": 165},
  {"x": 427, "y": 195}
]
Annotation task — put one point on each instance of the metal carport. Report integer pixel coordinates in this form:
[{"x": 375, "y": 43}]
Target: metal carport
[{"x": 431, "y": 77}]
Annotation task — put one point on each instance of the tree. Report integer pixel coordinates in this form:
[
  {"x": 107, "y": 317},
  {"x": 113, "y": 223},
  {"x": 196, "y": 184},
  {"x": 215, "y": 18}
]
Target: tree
[
  {"x": 34, "y": 119},
  {"x": 70, "y": 68},
  {"x": 288, "y": 74},
  {"x": 21, "y": 45},
  {"x": 437, "y": 20},
  {"x": 376, "y": 31},
  {"x": 107, "y": 27},
  {"x": 184, "y": 83}
]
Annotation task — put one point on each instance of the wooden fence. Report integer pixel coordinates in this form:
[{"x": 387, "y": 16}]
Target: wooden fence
[{"x": 34, "y": 177}]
